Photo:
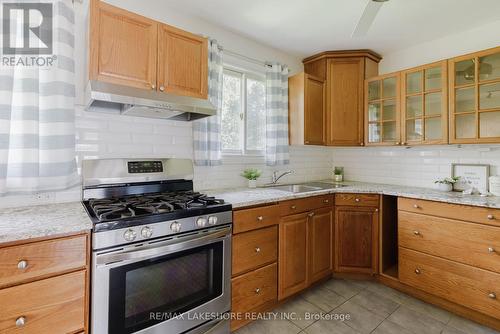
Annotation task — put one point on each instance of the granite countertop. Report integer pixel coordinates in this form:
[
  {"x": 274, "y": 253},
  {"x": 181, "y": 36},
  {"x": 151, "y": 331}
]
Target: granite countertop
[
  {"x": 244, "y": 197},
  {"x": 42, "y": 221}
]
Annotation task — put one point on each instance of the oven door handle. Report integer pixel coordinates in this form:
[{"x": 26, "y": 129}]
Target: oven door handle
[{"x": 163, "y": 248}]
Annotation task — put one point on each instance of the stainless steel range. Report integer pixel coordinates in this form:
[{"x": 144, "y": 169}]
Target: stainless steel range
[{"x": 161, "y": 252}]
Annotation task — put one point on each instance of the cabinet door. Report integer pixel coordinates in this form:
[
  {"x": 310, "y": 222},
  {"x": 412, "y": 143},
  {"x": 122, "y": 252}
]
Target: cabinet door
[
  {"x": 123, "y": 47},
  {"x": 345, "y": 102},
  {"x": 314, "y": 111},
  {"x": 320, "y": 244},
  {"x": 182, "y": 62},
  {"x": 356, "y": 240},
  {"x": 293, "y": 255}
]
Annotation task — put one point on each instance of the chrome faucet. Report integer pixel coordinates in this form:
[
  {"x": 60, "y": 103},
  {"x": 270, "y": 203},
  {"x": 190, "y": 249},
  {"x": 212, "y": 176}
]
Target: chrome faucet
[{"x": 276, "y": 177}]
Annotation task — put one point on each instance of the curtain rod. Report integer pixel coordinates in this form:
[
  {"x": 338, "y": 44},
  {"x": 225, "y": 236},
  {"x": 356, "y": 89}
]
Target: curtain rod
[{"x": 249, "y": 59}]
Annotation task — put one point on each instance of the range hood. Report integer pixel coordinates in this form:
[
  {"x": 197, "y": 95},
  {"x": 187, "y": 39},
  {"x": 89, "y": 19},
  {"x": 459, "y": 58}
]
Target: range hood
[{"x": 117, "y": 99}]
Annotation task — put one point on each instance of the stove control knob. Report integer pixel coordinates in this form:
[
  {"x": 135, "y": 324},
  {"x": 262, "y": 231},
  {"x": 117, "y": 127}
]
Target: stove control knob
[
  {"x": 129, "y": 235},
  {"x": 212, "y": 220},
  {"x": 201, "y": 222},
  {"x": 175, "y": 227},
  {"x": 146, "y": 232}
]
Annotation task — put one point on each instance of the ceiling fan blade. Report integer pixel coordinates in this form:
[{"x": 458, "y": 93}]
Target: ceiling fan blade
[{"x": 366, "y": 20}]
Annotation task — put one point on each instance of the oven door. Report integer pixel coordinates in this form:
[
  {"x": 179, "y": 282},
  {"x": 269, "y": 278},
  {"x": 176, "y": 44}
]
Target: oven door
[{"x": 168, "y": 286}]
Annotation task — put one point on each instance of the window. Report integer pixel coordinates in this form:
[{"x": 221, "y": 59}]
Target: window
[{"x": 243, "y": 113}]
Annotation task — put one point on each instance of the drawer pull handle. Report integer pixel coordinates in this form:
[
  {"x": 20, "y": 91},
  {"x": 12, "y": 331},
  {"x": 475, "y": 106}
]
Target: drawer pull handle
[
  {"x": 257, "y": 291},
  {"x": 257, "y": 249},
  {"x": 23, "y": 264},
  {"x": 418, "y": 271},
  {"x": 491, "y": 217},
  {"x": 416, "y": 206},
  {"x": 20, "y": 322},
  {"x": 357, "y": 199},
  {"x": 293, "y": 207},
  {"x": 310, "y": 214},
  {"x": 260, "y": 218},
  {"x": 492, "y": 295},
  {"x": 491, "y": 250},
  {"x": 416, "y": 232}
]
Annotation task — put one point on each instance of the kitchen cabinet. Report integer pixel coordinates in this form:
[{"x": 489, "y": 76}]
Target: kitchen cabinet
[
  {"x": 320, "y": 241},
  {"x": 424, "y": 105},
  {"x": 474, "y": 82},
  {"x": 135, "y": 51},
  {"x": 123, "y": 47},
  {"x": 182, "y": 62},
  {"x": 356, "y": 236},
  {"x": 341, "y": 73},
  {"x": 382, "y": 110},
  {"x": 306, "y": 98}
]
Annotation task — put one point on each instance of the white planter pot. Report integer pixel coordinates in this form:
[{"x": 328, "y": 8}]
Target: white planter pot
[
  {"x": 445, "y": 187},
  {"x": 252, "y": 183}
]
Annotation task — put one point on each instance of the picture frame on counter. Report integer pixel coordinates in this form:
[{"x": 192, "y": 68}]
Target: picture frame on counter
[{"x": 471, "y": 176}]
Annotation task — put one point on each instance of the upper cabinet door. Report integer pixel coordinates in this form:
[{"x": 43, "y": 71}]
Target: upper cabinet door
[
  {"x": 382, "y": 116},
  {"x": 475, "y": 97},
  {"x": 314, "y": 111},
  {"x": 182, "y": 62},
  {"x": 345, "y": 78},
  {"x": 424, "y": 105},
  {"x": 123, "y": 47}
]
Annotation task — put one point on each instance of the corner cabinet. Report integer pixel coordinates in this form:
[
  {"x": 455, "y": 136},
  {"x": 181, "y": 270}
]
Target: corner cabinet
[
  {"x": 474, "y": 82},
  {"x": 132, "y": 50},
  {"x": 382, "y": 115}
]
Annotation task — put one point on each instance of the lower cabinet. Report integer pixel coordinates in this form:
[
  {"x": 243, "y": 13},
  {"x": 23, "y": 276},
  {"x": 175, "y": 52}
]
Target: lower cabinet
[
  {"x": 320, "y": 241},
  {"x": 356, "y": 239}
]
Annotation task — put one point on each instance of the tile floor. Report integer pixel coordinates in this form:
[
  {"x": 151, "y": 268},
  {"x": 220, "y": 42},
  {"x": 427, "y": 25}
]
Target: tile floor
[{"x": 373, "y": 308}]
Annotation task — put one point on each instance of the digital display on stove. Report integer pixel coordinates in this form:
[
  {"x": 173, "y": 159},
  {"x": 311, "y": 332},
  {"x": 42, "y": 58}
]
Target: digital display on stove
[{"x": 135, "y": 167}]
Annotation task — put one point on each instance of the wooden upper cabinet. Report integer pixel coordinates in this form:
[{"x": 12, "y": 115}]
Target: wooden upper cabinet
[
  {"x": 306, "y": 109},
  {"x": 182, "y": 62},
  {"x": 382, "y": 112},
  {"x": 123, "y": 47},
  {"x": 474, "y": 83},
  {"x": 424, "y": 104},
  {"x": 356, "y": 239}
]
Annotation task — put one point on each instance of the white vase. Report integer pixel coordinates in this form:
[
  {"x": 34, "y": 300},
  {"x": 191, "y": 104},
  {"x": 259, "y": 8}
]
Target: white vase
[
  {"x": 252, "y": 183},
  {"x": 445, "y": 187}
]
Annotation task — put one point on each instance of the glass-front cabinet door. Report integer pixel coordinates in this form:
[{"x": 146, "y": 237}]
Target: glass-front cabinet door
[
  {"x": 382, "y": 116},
  {"x": 424, "y": 106},
  {"x": 475, "y": 97}
]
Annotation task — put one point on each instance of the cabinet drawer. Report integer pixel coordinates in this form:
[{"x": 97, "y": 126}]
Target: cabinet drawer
[
  {"x": 53, "y": 305},
  {"x": 305, "y": 204},
  {"x": 40, "y": 259},
  {"x": 254, "y": 289},
  {"x": 254, "y": 249},
  {"x": 474, "y": 244},
  {"x": 471, "y": 287},
  {"x": 251, "y": 219},
  {"x": 357, "y": 199},
  {"x": 453, "y": 211}
]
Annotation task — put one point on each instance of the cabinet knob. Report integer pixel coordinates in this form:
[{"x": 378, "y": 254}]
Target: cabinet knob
[
  {"x": 490, "y": 217},
  {"x": 257, "y": 249},
  {"x": 260, "y": 218},
  {"x": 357, "y": 199},
  {"x": 403, "y": 143},
  {"x": 326, "y": 201},
  {"x": 376, "y": 210},
  {"x": 491, "y": 250},
  {"x": 23, "y": 264},
  {"x": 361, "y": 144},
  {"x": 418, "y": 271},
  {"x": 310, "y": 214},
  {"x": 398, "y": 143},
  {"x": 293, "y": 207},
  {"x": 162, "y": 88},
  {"x": 257, "y": 291},
  {"x": 153, "y": 86},
  {"x": 416, "y": 232},
  {"x": 416, "y": 206},
  {"x": 20, "y": 322},
  {"x": 492, "y": 295}
]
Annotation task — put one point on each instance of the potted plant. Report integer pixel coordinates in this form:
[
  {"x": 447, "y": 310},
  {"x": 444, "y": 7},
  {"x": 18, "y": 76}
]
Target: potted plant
[
  {"x": 447, "y": 183},
  {"x": 338, "y": 174},
  {"x": 251, "y": 174}
]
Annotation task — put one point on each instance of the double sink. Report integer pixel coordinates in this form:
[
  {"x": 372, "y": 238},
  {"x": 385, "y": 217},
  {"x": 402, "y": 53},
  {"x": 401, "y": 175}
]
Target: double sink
[{"x": 306, "y": 187}]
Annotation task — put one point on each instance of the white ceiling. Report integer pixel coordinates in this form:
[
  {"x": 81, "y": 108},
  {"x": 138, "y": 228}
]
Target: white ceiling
[{"x": 304, "y": 27}]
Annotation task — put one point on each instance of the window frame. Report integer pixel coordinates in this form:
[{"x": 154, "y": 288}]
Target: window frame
[{"x": 244, "y": 74}]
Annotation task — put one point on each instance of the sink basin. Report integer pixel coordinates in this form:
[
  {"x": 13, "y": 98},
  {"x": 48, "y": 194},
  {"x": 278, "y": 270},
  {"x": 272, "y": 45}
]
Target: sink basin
[{"x": 297, "y": 188}]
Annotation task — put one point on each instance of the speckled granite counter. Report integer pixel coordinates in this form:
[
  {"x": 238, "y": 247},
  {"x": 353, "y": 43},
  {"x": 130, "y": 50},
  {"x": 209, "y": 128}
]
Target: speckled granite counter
[
  {"x": 42, "y": 220},
  {"x": 244, "y": 197}
]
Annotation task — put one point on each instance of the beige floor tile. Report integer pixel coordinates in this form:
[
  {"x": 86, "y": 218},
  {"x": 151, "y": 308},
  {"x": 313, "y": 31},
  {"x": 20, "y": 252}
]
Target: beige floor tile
[
  {"x": 376, "y": 303},
  {"x": 387, "y": 292},
  {"x": 428, "y": 309},
  {"x": 416, "y": 322},
  {"x": 329, "y": 326},
  {"x": 468, "y": 326},
  {"x": 299, "y": 307},
  {"x": 269, "y": 327},
  {"x": 389, "y": 327},
  {"x": 361, "y": 319},
  {"x": 346, "y": 289},
  {"x": 323, "y": 298}
]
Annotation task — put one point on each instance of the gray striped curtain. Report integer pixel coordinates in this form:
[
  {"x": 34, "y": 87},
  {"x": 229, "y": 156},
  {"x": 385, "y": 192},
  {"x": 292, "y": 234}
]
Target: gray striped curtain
[
  {"x": 206, "y": 132},
  {"x": 37, "y": 135},
  {"x": 277, "y": 115}
]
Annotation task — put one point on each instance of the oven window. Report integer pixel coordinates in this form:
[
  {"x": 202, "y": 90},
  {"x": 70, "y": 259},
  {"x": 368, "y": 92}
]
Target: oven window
[{"x": 169, "y": 285}]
